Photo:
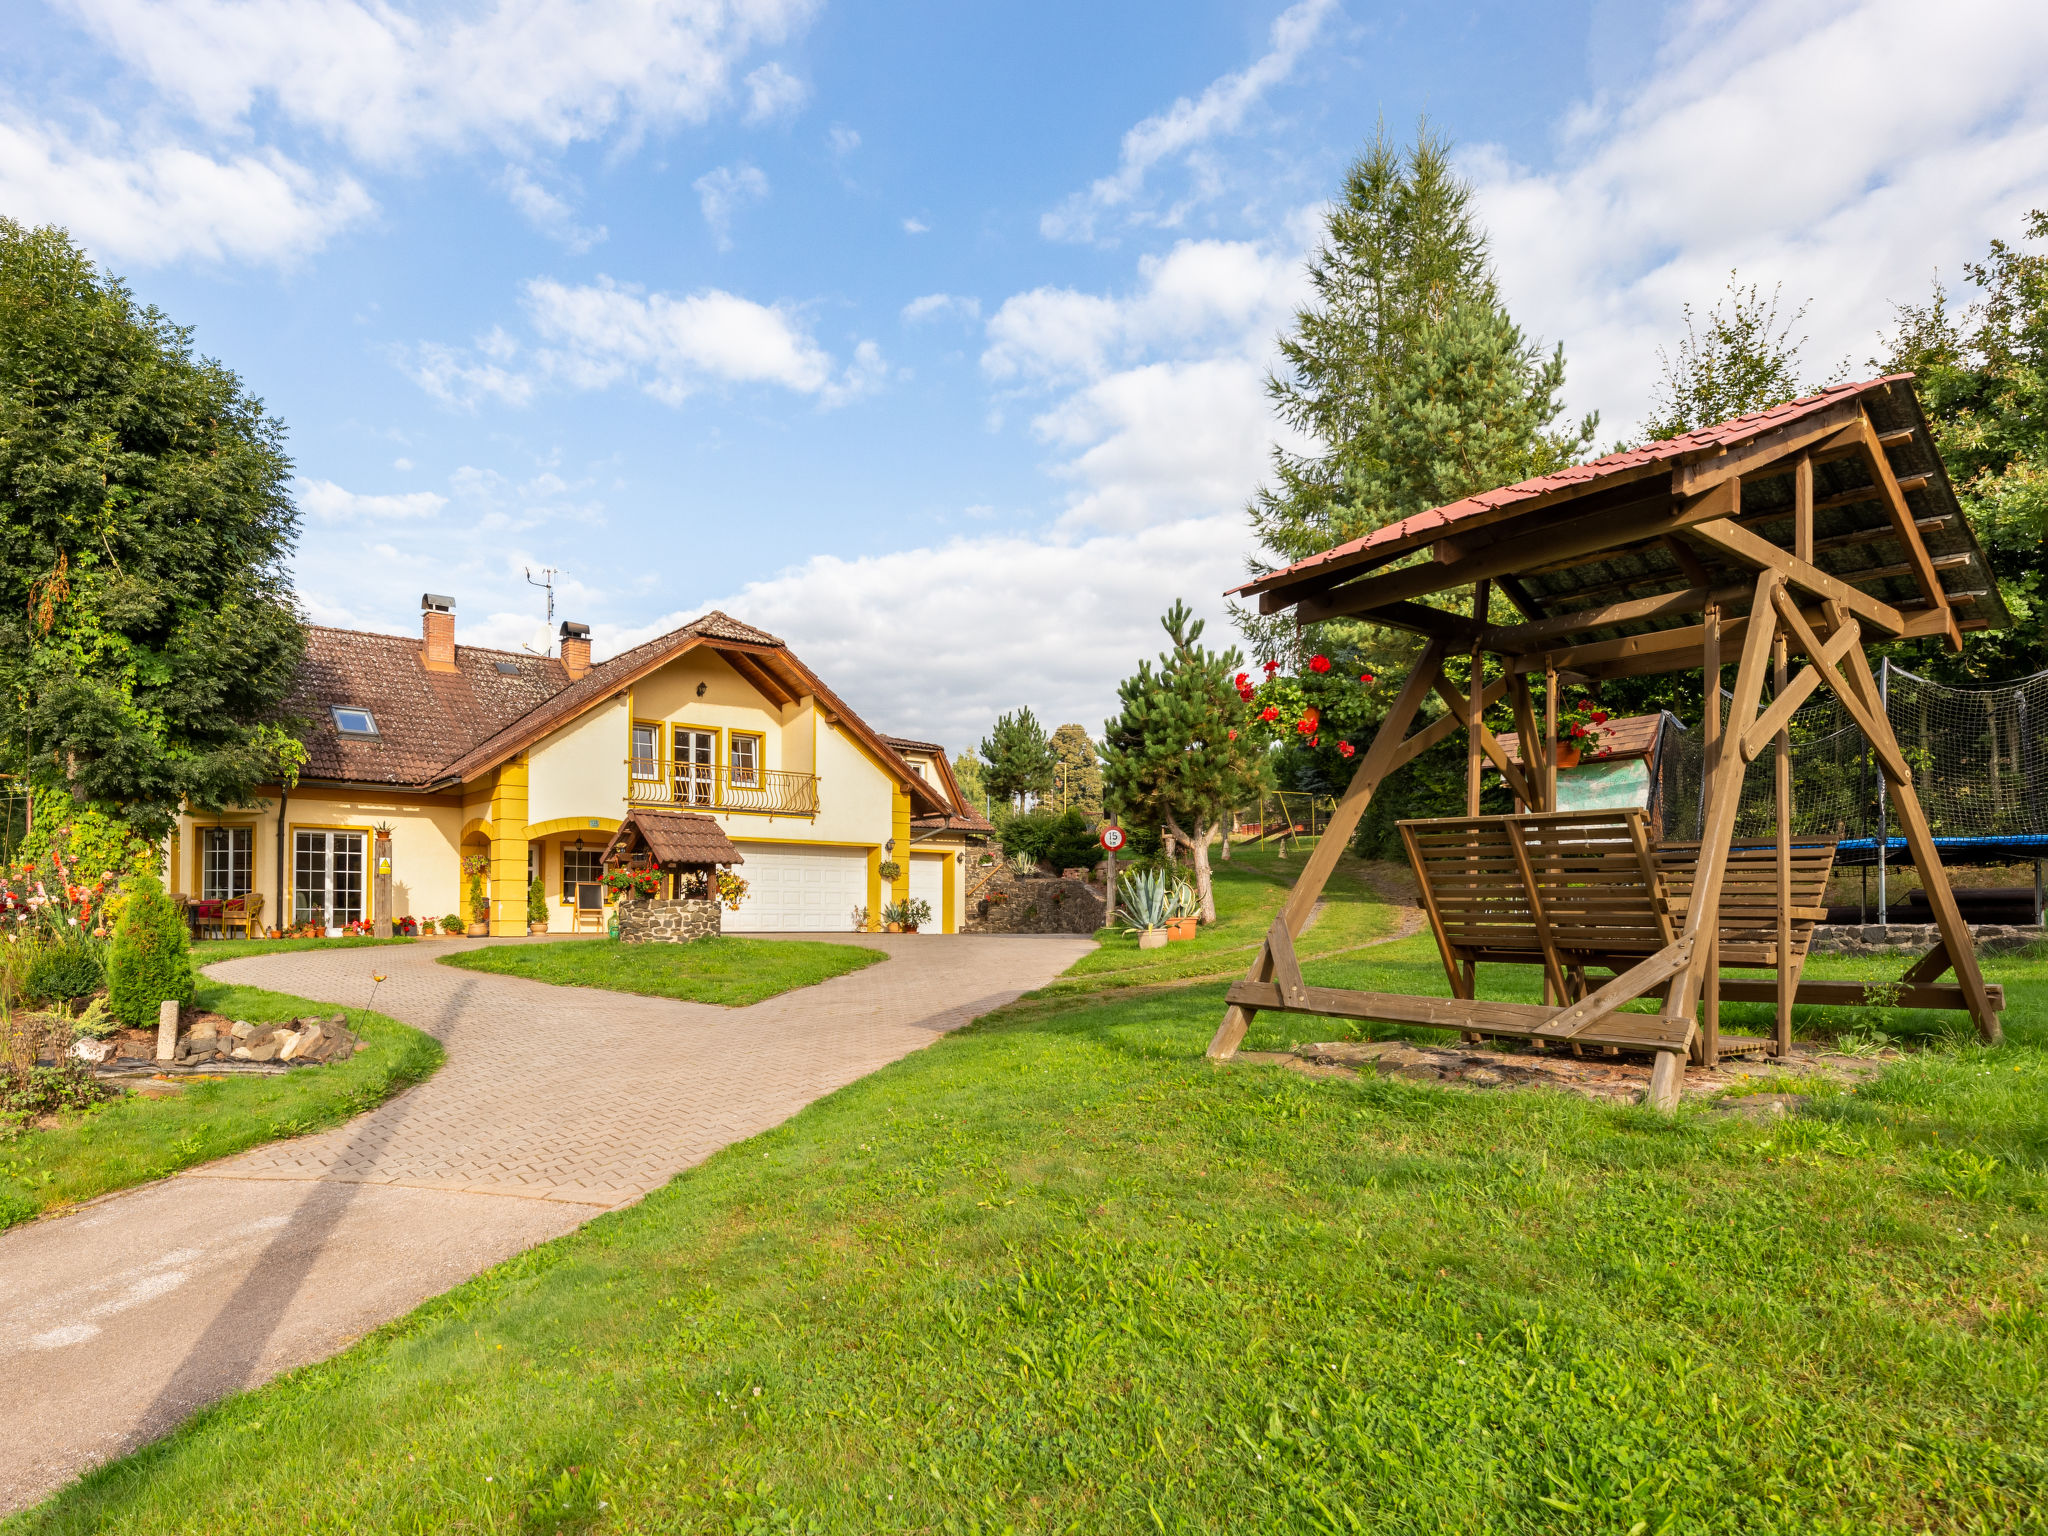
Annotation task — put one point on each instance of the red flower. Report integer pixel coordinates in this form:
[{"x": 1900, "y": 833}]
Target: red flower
[
  {"x": 1247, "y": 694},
  {"x": 1345, "y": 749},
  {"x": 1578, "y": 730},
  {"x": 1599, "y": 717},
  {"x": 1310, "y": 719},
  {"x": 1366, "y": 678},
  {"x": 1242, "y": 681},
  {"x": 1271, "y": 667},
  {"x": 1233, "y": 735},
  {"x": 1269, "y": 713},
  {"x": 1319, "y": 663}
]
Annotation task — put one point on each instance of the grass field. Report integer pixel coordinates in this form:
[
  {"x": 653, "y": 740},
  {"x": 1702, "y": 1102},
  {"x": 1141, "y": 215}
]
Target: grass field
[
  {"x": 207, "y": 951},
  {"x": 724, "y": 969},
  {"x": 1058, "y": 1273},
  {"x": 132, "y": 1140}
]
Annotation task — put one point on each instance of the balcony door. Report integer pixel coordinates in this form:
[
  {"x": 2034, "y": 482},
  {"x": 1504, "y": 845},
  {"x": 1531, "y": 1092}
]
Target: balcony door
[
  {"x": 696, "y": 766},
  {"x": 327, "y": 879}
]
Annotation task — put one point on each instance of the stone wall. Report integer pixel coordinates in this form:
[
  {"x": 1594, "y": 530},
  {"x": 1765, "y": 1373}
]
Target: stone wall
[
  {"x": 1013, "y": 903},
  {"x": 1914, "y": 938},
  {"x": 667, "y": 921}
]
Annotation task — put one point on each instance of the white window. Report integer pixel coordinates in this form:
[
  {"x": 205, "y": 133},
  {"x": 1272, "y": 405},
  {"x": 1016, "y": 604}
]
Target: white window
[
  {"x": 582, "y": 874},
  {"x": 327, "y": 879},
  {"x": 696, "y": 766},
  {"x": 745, "y": 752},
  {"x": 646, "y": 749},
  {"x": 224, "y": 862},
  {"x": 353, "y": 722}
]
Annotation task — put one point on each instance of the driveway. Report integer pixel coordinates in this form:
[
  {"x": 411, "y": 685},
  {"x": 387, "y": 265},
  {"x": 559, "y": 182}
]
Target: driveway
[{"x": 555, "y": 1103}]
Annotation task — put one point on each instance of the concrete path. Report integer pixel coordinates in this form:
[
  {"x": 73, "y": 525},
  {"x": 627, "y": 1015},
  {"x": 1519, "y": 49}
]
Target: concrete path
[{"x": 555, "y": 1103}]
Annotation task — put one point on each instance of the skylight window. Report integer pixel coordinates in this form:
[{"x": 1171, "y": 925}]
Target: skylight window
[
  {"x": 508, "y": 669},
  {"x": 353, "y": 722}
]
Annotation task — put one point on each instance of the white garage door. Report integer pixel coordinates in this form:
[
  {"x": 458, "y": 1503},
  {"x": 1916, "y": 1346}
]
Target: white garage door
[
  {"x": 794, "y": 888},
  {"x": 928, "y": 884}
]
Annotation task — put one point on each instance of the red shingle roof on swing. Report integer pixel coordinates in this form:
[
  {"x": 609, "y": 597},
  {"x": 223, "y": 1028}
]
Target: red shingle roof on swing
[{"x": 1425, "y": 527}]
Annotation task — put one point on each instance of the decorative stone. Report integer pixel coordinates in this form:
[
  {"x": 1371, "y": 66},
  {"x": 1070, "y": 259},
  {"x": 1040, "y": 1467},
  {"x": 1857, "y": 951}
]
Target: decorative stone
[
  {"x": 95, "y": 1051},
  {"x": 167, "y": 1030},
  {"x": 669, "y": 920}
]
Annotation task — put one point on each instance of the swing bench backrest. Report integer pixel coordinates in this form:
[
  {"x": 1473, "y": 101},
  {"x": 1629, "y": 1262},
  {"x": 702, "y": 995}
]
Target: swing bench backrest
[
  {"x": 1583, "y": 884},
  {"x": 1749, "y": 896}
]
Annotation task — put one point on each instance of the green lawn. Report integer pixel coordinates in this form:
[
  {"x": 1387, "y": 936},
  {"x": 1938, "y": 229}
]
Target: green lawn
[
  {"x": 1059, "y": 1273},
  {"x": 132, "y": 1140},
  {"x": 723, "y": 969},
  {"x": 206, "y": 951}
]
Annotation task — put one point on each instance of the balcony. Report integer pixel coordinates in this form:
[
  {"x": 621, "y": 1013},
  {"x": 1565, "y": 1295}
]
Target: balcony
[{"x": 704, "y": 787}]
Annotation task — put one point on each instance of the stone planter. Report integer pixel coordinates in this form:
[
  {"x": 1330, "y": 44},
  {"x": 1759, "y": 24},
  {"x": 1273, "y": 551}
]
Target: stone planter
[
  {"x": 1178, "y": 928},
  {"x": 667, "y": 920},
  {"x": 1152, "y": 938},
  {"x": 534, "y": 928}
]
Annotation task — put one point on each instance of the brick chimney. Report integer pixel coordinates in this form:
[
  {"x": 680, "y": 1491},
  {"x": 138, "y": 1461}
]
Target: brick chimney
[
  {"x": 575, "y": 649},
  {"x": 437, "y": 632}
]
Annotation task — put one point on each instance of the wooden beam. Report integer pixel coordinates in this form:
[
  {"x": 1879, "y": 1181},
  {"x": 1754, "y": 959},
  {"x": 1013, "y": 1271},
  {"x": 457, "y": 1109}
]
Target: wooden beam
[
  {"x": 1475, "y": 723},
  {"x": 1553, "y": 963},
  {"x": 1765, "y": 448},
  {"x": 1523, "y": 638},
  {"x": 1740, "y": 544},
  {"x": 1688, "y": 562},
  {"x": 1787, "y": 703},
  {"x": 1420, "y": 619},
  {"x": 1631, "y": 984},
  {"x": 1442, "y": 728},
  {"x": 1531, "y": 744},
  {"x": 1898, "y": 439},
  {"x": 1486, "y": 741},
  {"x": 1286, "y": 969},
  {"x": 1903, "y": 527},
  {"x": 1519, "y": 595},
  {"x": 1810, "y": 643}
]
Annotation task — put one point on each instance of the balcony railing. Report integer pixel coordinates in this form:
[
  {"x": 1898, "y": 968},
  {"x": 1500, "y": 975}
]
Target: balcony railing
[{"x": 703, "y": 787}]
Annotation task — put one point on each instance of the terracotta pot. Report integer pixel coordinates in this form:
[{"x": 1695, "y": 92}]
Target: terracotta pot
[
  {"x": 1152, "y": 938},
  {"x": 534, "y": 928},
  {"x": 895, "y": 927},
  {"x": 910, "y": 927},
  {"x": 1178, "y": 928},
  {"x": 1567, "y": 755}
]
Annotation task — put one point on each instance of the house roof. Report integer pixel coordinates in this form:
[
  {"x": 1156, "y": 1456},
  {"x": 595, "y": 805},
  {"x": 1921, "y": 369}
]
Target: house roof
[
  {"x": 438, "y": 729},
  {"x": 675, "y": 838},
  {"x": 963, "y": 817},
  {"x": 424, "y": 719},
  {"x": 1856, "y": 542},
  {"x": 1633, "y": 736}
]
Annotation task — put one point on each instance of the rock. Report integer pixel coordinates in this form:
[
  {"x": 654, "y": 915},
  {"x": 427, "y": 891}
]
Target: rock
[
  {"x": 205, "y": 1029},
  {"x": 242, "y": 1029},
  {"x": 1482, "y": 1077},
  {"x": 264, "y": 1052},
  {"x": 95, "y": 1051},
  {"x": 298, "y": 1042}
]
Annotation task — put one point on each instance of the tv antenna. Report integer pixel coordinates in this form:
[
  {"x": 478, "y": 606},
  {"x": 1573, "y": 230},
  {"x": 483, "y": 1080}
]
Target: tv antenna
[{"x": 547, "y": 584}]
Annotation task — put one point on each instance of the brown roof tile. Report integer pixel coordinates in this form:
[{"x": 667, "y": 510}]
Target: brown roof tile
[
  {"x": 674, "y": 838},
  {"x": 1634, "y": 736},
  {"x": 424, "y": 719}
]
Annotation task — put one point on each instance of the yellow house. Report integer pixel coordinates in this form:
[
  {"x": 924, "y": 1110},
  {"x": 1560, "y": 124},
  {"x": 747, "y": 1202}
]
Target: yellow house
[{"x": 453, "y": 762}]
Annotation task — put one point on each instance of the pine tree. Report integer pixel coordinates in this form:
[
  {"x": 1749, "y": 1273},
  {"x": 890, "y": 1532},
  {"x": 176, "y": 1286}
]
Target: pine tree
[
  {"x": 151, "y": 962},
  {"x": 1741, "y": 359},
  {"x": 1174, "y": 759},
  {"x": 1405, "y": 373},
  {"x": 1082, "y": 767},
  {"x": 1019, "y": 760}
]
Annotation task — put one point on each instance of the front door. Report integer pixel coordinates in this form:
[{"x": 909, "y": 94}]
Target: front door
[
  {"x": 327, "y": 880},
  {"x": 696, "y": 766}
]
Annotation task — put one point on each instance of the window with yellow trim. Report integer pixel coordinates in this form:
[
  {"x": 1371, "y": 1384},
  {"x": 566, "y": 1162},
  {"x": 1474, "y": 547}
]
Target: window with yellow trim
[{"x": 744, "y": 751}]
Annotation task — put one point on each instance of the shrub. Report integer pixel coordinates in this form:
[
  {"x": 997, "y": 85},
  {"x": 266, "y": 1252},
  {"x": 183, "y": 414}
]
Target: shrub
[
  {"x": 64, "y": 971},
  {"x": 1061, "y": 839},
  {"x": 452, "y": 923},
  {"x": 537, "y": 904},
  {"x": 152, "y": 960}
]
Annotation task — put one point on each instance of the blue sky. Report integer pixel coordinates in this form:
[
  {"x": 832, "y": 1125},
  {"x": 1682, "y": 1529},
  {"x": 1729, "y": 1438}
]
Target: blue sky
[{"x": 931, "y": 336}]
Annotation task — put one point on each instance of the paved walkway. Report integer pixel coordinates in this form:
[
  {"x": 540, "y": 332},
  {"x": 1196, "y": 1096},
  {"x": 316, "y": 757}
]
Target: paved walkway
[{"x": 555, "y": 1103}]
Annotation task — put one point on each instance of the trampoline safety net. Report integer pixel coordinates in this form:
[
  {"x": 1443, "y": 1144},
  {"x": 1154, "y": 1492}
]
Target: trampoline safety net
[{"x": 1980, "y": 767}]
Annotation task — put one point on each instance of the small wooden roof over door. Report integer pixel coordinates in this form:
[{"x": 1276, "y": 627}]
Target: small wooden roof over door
[{"x": 1611, "y": 561}]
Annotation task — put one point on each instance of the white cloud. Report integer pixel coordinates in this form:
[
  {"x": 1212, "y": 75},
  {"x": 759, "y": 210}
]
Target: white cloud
[
  {"x": 329, "y": 502},
  {"x": 1774, "y": 139},
  {"x": 546, "y": 212},
  {"x": 1187, "y": 125},
  {"x": 150, "y": 203},
  {"x": 842, "y": 140},
  {"x": 722, "y": 191},
  {"x": 916, "y": 227},
  {"x": 389, "y": 82},
  {"x": 939, "y": 306},
  {"x": 773, "y": 92},
  {"x": 455, "y": 378}
]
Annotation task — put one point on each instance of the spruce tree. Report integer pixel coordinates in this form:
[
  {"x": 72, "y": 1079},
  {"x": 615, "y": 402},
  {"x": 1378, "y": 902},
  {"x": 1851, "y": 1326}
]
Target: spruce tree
[
  {"x": 1405, "y": 373},
  {"x": 1175, "y": 759},
  {"x": 1019, "y": 759},
  {"x": 151, "y": 960}
]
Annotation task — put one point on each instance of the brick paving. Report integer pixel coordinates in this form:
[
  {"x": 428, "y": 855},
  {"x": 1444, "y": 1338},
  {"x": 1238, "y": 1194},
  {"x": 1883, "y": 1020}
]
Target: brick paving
[{"x": 555, "y": 1104}]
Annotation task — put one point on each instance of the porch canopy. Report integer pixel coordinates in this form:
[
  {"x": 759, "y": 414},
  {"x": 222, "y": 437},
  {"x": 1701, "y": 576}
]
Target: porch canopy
[
  {"x": 1807, "y": 531},
  {"x": 674, "y": 842}
]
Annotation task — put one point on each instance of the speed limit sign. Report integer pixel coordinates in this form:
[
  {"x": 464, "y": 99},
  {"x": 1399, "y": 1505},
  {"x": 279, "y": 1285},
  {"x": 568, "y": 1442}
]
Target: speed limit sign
[{"x": 1112, "y": 838}]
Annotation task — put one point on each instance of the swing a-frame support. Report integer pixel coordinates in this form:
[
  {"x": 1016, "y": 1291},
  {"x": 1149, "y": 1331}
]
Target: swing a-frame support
[{"x": 1786, "y": 541}]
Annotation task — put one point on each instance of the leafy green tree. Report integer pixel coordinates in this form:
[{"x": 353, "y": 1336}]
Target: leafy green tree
[
  {"x": 1078, "y": 774},
  {"x": 1176, "y": 757},
  {"x": 1983, "y": 380},
  {"x": 152, "y": 960},
  {"x": 1019, "y": 759},
  {"x": 1405, "y": 373},
  {"x": 147, "y": 627},
  {"x": 1741, "y": 358},
  {"x": 973, "y": 786}
]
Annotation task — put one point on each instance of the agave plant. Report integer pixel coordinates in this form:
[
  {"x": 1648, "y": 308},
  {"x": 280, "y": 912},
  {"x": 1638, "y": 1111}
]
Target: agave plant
[
  {"x": 1181, "y": 900},
  {"x": 1143, "y": 896}
]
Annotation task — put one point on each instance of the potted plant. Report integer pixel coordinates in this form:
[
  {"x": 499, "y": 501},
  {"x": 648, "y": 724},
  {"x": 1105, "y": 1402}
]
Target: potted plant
[
  {"x": 907, "y": 916},
  {"x": 452, "y": 925},
  {"x": 1182, "y": 909},
  {"x": 1145, "y": 900},
  {"x": 536, "y": 908},
  {"x": 1579, "y": 733},
  {"x": 890, "y": 871},
  {"x": 640, "y": 884}
]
